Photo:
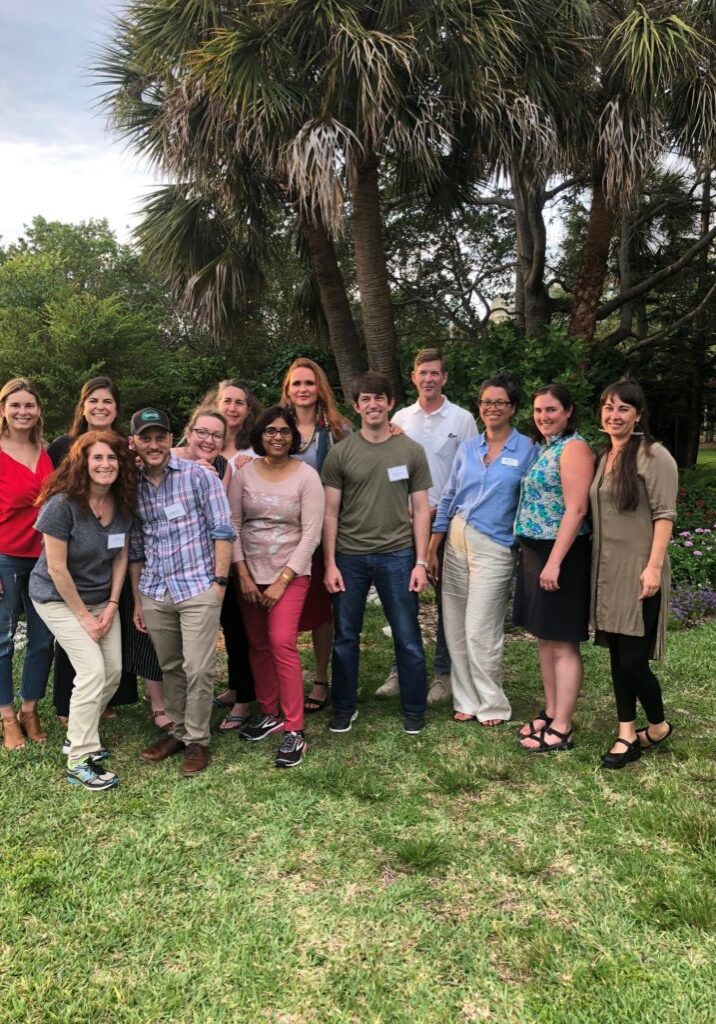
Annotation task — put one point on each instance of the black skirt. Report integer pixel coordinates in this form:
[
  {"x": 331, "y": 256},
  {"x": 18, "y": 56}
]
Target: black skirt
[{"x": 553, "y": 614}]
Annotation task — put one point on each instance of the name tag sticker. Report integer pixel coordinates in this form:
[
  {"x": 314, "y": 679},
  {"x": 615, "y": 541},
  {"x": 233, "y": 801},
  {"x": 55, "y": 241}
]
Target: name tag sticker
[
  {"x": 175, "y": 511},
  {"x": 506, "y": 461},
  {"x": 115, "y": 540},
  {"x": 398, "y": 473}
]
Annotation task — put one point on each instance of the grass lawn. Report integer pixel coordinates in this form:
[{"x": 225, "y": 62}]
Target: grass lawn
[{"x": 448, "y": 877}]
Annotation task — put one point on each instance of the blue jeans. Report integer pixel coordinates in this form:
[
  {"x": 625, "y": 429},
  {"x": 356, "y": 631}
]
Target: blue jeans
[
  {"x": 15, "y": 576},
  {"x": 442, "y": 664},
  {"x": 390, "y": 573}
]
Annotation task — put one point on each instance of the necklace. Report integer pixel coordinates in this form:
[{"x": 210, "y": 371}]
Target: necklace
[
  {"x": 305, "y": 445},
  {"x": 98, "y": 506}
]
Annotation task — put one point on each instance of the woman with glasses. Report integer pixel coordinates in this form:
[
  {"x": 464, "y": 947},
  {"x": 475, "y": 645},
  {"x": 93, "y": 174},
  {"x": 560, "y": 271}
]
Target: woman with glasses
[
  {"x": 277, "y": 508},
  {"x": 477, "y": 511},
  {"x": 552, "y": 591},
  {"x": 633, "y": 498},
  {"x": 204, "y": 437}
]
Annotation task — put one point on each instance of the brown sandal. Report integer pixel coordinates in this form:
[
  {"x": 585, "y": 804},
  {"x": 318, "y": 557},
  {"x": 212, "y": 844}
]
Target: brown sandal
[
  {"x": 12, "y": 738},
  {"x": 31, "y": 725}
]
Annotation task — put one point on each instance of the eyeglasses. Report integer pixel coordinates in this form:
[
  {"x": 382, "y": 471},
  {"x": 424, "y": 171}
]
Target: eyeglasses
[
  {"x": 284, "y": 432},
  {"x": 203, "y": 433},
  {"x": 497, "y": 403}
]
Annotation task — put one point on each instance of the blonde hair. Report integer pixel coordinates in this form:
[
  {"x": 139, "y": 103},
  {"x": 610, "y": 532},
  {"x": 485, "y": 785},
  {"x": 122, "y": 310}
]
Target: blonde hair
[
  {"x": 202, "y": 410},
  {"x": 326, "y": 399},
  {"x": 13, "y": 386}
]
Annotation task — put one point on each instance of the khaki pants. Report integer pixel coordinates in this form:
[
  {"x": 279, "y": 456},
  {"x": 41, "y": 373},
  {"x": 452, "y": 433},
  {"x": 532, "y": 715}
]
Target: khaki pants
[
  {"x": 184, "y": 637},
  {"x": 477, "y": 574},
  {"x": 98, "y": 668}
]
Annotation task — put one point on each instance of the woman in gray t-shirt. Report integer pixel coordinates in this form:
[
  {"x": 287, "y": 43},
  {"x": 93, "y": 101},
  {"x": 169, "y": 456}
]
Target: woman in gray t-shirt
[{"x": 87, "y": 510}]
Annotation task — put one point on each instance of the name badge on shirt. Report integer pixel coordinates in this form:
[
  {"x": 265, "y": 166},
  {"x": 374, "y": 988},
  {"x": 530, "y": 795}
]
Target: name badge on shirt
[
  {"x": 507, "y": 461},
  {"x": 175, "y": 511},
  {"x": 115, "y": 540},
  {"x": 398, "y": 473}
]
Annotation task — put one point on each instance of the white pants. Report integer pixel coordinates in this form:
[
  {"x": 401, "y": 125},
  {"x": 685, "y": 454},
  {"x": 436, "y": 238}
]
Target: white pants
[
  {"x": 98, "y": 668},
  {"x": 477, "y": 574}
]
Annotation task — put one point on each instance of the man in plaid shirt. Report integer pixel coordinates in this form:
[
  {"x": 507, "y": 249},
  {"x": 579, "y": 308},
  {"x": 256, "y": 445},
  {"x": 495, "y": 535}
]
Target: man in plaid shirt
[{"x": 180, "y": 551}]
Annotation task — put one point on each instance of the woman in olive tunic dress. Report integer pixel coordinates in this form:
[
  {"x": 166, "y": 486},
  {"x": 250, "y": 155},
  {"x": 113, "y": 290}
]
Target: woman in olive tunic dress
[{"x": 633, "y": 500}]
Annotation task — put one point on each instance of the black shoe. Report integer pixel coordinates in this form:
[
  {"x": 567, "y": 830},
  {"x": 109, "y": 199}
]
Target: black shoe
[
  {"x": 290, "y": 753},
  {"x": 341, "y": 721},
  {"x": 260, "y": 727},
  {"x": 413, "y": 725},
  {"x": 632, "y": 752}
]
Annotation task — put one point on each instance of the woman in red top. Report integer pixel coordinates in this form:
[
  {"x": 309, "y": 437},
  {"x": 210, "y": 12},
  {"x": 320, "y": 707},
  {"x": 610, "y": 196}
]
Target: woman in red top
[{"x": 24, "y": 464}]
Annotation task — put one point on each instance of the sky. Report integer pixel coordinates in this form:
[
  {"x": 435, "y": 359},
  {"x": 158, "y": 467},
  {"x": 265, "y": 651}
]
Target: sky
[{"x": 57, "y": 156}]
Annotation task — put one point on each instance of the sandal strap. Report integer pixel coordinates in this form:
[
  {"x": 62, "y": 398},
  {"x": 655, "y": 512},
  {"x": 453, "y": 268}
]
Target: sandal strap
[
  {"x": 626, "y": 743},
  {"x": 555, "y": 732}
]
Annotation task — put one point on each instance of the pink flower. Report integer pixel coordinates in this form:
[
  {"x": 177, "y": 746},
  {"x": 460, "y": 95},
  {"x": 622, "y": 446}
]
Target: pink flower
[
  {"x": 698, "y": 553},
  {"x": 685, "y": 533},
  {"x": 688, "y": 543}
]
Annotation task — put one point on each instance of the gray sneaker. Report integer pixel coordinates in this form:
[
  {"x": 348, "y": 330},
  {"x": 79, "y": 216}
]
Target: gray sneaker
[
  {"x": 390, "y": 687},
  {"x": 90, "y": 775},
  {"x": 440, "y": 689}
]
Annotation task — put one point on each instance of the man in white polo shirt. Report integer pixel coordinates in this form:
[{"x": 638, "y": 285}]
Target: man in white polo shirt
[{"x": 439, "y": 426}]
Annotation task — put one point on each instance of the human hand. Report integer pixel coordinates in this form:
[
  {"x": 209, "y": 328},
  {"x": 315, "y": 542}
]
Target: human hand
[
  {"x": 241, "y": 461},
  {"x": 219, "y": 591},
  {"x": 273, "y": 593},
  {"x": 249, "y": 591},
  {"x": 106, "y": 617},
  {"x": 332, "y": 580},
  {"x": 650, "y": 581},
  {"x": 92, "y": 626},
  {"x": 138, "y": 618},
  {"x": 433, "y": 567},
  {"x": 418, "y": 579},
  {"x": 395, "y": 430},
  {"x": 549, "y": 577},
  {"x": 205, "y": 464}
]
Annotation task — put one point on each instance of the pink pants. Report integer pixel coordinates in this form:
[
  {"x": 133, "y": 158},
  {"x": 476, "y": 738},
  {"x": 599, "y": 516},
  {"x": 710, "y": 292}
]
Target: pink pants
[{"x": 273, "y": 652}]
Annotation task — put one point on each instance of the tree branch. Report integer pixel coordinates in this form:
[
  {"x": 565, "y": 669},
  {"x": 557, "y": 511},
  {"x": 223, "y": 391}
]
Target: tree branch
[
  {"x": 506, "y": 204},
  {"x": 687, "y": 318},
  {"x": 552, "y": 192},
  {"x": 661, "y": 275}
]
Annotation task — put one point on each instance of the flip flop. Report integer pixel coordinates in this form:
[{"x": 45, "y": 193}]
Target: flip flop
[
  {"x": 231, "y": 722},
  {"x": 311, "y": 705},
  {"x": 463, "y": 721},
  {"x": 223, "y": 703}
]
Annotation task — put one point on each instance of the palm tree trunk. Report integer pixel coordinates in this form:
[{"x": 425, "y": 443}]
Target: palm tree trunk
[
  {"x": 532, "y": 302},
  {"x": 593, "y": 269},
  {"x": 342, "y": 333},
  {"x": 372, "y": 275},
  {"x": 702, "y": 338}
]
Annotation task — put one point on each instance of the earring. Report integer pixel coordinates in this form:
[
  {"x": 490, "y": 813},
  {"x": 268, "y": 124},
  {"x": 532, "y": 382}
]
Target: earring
[{"x": 635, "y": 432}]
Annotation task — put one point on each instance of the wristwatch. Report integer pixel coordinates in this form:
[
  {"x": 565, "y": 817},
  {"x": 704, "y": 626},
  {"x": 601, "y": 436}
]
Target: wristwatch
[
  {"x": 419, "y": 561},
  {"x": 223, "y": 581}
]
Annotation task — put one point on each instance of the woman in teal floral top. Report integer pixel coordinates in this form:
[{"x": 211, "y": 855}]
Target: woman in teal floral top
[{"x": 552, "y": 592}]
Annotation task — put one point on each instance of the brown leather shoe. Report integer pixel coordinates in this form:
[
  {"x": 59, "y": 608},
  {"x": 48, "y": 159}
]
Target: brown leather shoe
[
  {"x": 162, "y": 749},
  {"x": 12, "y": 738},
  {"x": 31, "y": 725},
  {"x": 196, "y": 759}
]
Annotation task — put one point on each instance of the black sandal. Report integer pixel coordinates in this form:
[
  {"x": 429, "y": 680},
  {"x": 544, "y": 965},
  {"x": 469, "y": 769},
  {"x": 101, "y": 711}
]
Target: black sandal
[
  {"x": 311, "y": 705},
  {"x": 541, "y": 716},
  {"x": 632, "y": 753},
  {"x": 565, "y": 741},
  {"x": 650, "y": 740}
]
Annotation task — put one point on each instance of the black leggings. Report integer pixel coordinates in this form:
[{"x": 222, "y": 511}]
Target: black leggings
[
  {"x": 237, "y": 648},
  {"x": 631, "y": 673}
]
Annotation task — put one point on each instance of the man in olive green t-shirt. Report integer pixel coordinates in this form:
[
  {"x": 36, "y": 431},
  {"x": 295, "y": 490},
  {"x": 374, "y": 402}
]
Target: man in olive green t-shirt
[{"x": 373, "y": 480}]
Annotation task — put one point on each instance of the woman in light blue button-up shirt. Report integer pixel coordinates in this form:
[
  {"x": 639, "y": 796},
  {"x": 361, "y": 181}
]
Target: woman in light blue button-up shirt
[{"x": 477, "y": 511}]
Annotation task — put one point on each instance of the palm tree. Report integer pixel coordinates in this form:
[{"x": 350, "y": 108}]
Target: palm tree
[{"x": 322, "y": 97}]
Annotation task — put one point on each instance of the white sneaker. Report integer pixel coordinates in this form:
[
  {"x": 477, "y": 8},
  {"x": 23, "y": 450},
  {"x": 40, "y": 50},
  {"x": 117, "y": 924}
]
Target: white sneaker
[
  {"x": 439, "y": 690},
  {"x": 390, "y": 687}
]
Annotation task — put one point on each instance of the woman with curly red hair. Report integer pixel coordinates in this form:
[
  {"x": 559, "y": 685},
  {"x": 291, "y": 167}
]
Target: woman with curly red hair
[{"x": 86, "y": 515}]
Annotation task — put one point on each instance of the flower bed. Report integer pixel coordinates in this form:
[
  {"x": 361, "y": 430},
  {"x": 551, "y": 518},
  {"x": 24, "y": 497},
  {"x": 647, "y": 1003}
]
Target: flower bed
[{"x": 693, "y": 549}]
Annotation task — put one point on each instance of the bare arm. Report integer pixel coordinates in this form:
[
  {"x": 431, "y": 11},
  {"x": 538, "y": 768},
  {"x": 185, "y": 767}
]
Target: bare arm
[
  {"x": 421, "y": 534},
  {"x": 332, "y": 578},
  {"x": 576, "y": 468}
]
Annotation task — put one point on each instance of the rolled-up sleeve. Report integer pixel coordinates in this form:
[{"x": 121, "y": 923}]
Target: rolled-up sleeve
[
  {"x": 216, "y": 508},
  {"x": 661, "y": 479}
]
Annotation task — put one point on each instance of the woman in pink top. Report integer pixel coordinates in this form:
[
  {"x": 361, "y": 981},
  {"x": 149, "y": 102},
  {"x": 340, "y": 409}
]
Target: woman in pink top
[
  {"x": 277, "y": 507},
  {"x": 24, "y": 464}
]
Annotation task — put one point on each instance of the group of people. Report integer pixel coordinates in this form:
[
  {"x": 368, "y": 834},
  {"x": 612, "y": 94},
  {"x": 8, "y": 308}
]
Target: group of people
[{"x": 128, "y": 554}]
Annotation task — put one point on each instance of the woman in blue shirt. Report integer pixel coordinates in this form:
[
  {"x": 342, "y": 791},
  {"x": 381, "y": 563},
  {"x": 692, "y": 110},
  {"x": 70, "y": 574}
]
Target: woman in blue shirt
[
  {"x": 552, "y": 592},
  {"x": 477, "y": 511}
]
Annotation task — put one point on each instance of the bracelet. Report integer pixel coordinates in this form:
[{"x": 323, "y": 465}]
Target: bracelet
[
  {"x": 113, "y": 602},
  {"x": 419, "y": 561},
  {"x": 285, "y": 578}
]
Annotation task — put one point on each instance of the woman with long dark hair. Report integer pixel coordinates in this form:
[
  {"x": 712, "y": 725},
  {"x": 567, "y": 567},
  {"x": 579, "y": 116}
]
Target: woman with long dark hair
[
  {"x": 98, "y": 408},
  {"x": 633, "y": 500},
  {"x": 552, "y": 591},
  {"x": 24, "y": 465},
  {"x": 307, "y": 393},
  {"x": 87, "y": 510}
]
